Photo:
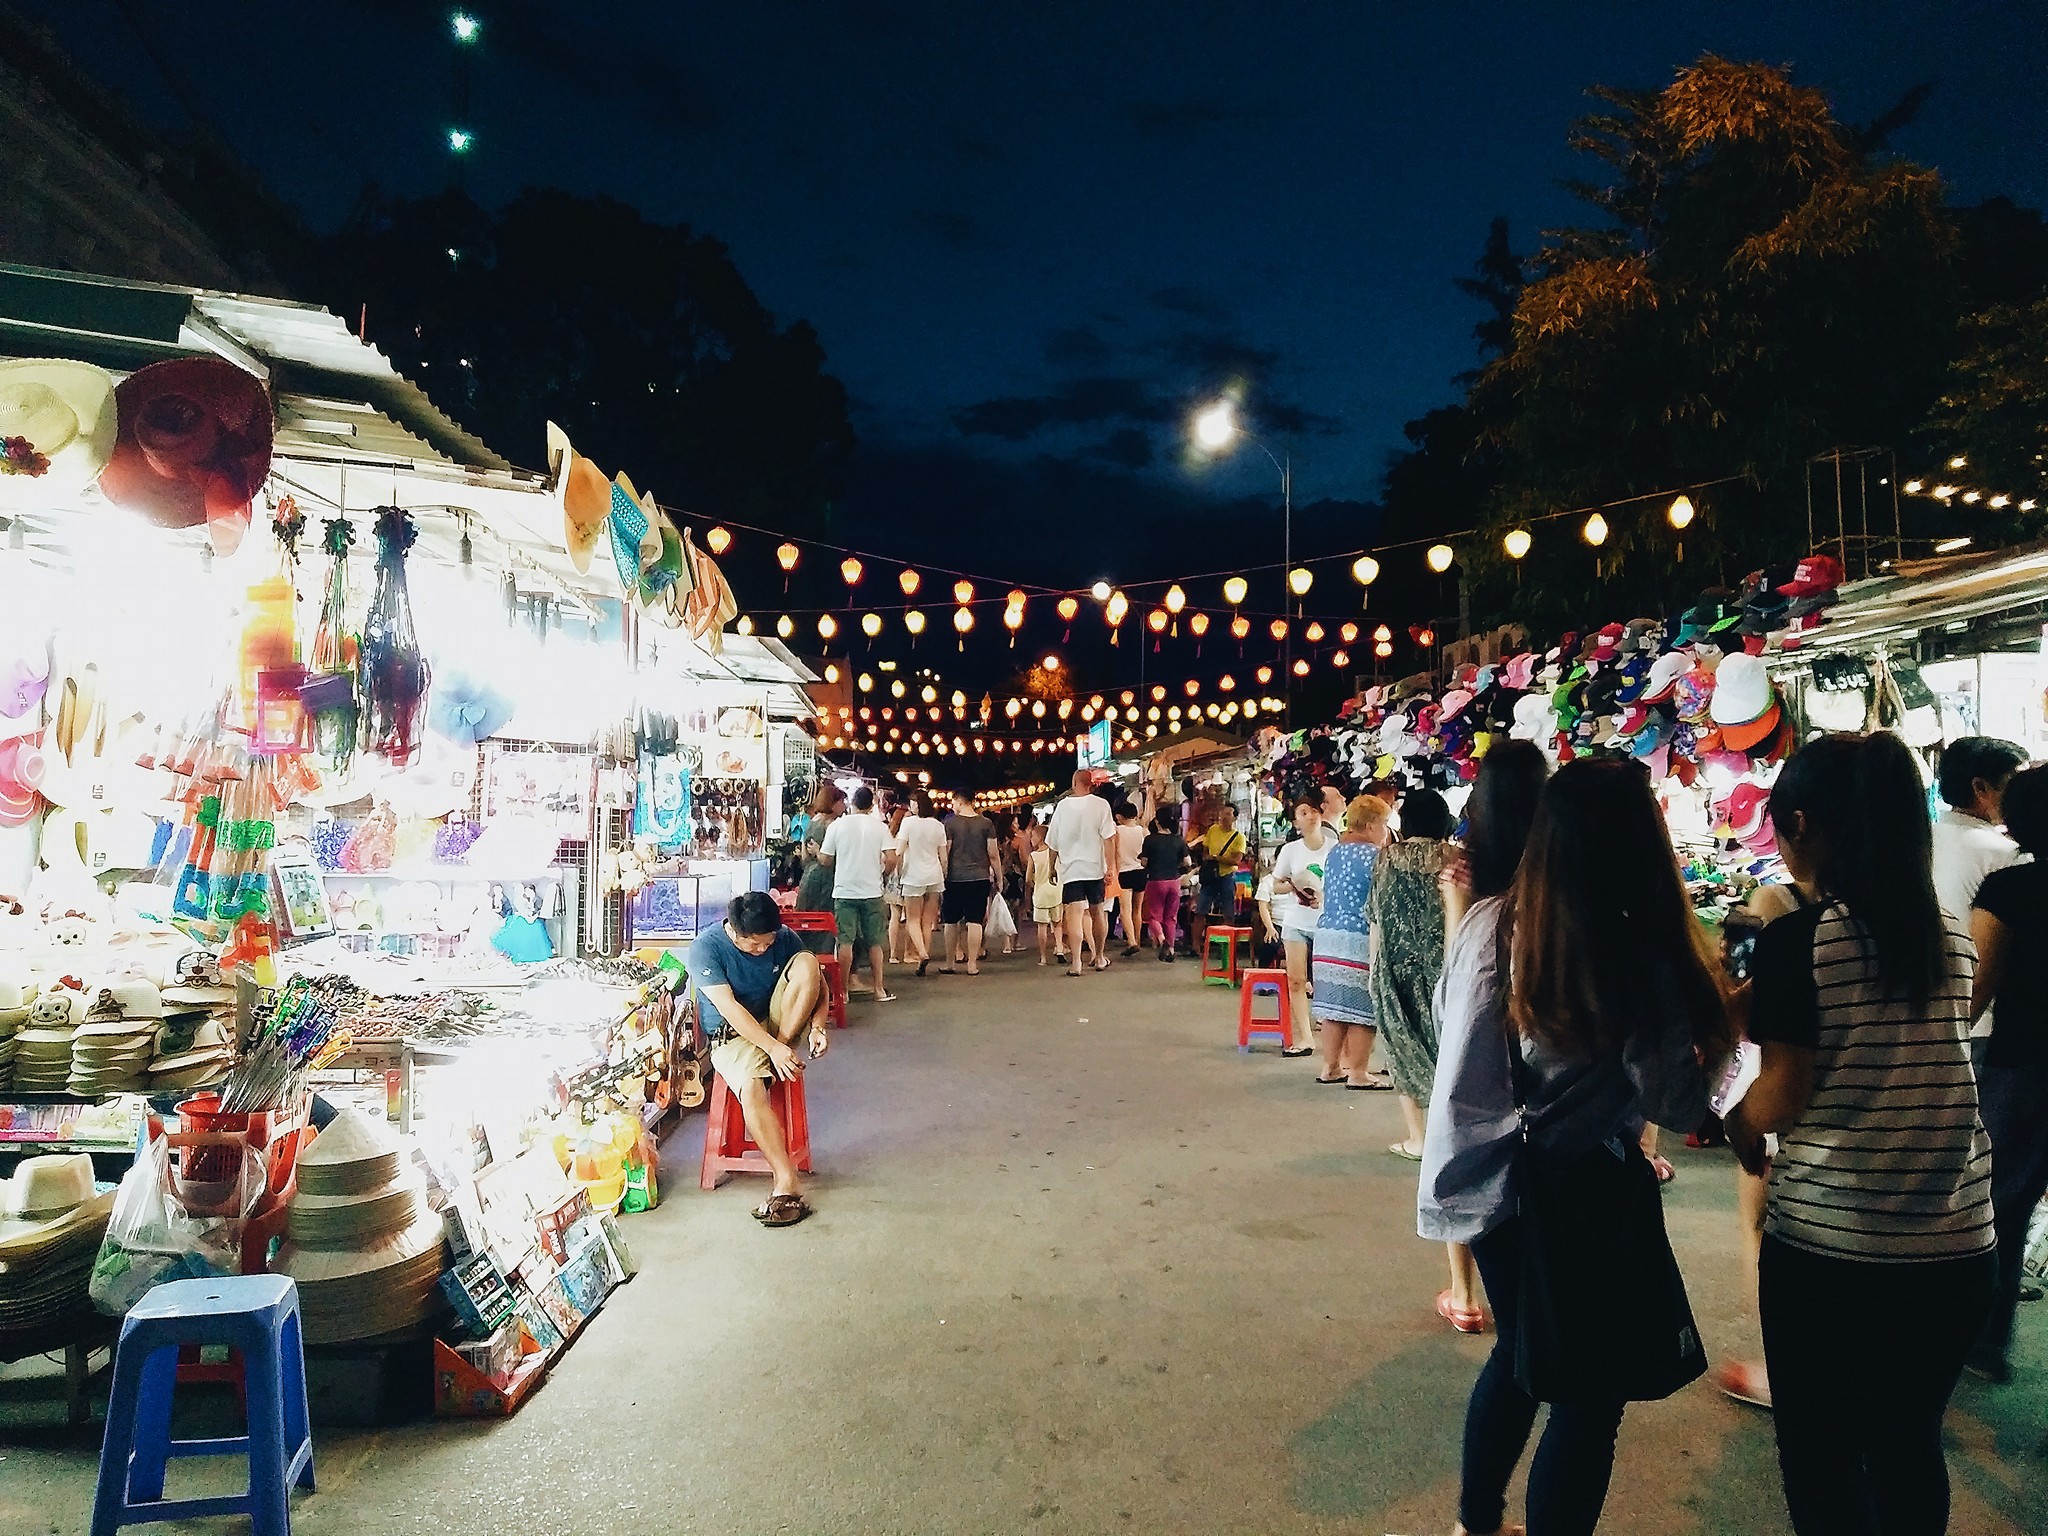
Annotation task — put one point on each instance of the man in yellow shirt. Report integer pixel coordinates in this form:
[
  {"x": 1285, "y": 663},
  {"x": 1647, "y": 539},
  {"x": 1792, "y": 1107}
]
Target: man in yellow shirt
[{"x": 1221, "y": 850}]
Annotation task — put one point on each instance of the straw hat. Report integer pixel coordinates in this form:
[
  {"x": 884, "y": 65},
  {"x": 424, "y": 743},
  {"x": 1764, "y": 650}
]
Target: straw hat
[
  {"x": 585, "y": 494},
  {"x": 58, "y": 423},
  {"x": 51, "y": 1226}
]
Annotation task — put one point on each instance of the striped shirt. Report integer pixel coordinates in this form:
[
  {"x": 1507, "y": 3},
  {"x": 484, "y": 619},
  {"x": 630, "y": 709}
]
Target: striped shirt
[{"x": 1888, "y": 1161}]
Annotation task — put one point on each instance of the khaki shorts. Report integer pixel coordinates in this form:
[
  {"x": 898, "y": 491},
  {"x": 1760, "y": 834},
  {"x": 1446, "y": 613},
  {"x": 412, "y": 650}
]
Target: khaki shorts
[{"x": 737, "y": 1059}]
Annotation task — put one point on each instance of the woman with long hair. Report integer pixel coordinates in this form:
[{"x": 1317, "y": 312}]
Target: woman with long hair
[
  {"x": 1879, "y": 1214},
  {"x": 1297, "y": 903},
  {"x": 1498, "y": 815},
  {"x": 1572, "y": 1009},
  {"x": 923, "y": 862},
  {"x": 1130, "y": 873},
  {"x": 1407, "y": 916},
  {"x": 1346, "y": 945}
]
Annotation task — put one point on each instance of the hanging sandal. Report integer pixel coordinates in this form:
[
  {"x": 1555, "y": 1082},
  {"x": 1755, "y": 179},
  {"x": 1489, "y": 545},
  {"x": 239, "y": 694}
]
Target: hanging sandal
[{"x": 782, "y": 1211}]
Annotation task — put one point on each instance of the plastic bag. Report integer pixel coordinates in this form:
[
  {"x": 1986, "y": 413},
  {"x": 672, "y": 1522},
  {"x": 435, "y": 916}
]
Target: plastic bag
[
  {"x": 152, "y": 1238},
  {"x": 1000, "y": 924}
]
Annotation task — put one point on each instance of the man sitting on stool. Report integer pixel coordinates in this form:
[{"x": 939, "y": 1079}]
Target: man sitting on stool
[{"x": 757, "y": 987}]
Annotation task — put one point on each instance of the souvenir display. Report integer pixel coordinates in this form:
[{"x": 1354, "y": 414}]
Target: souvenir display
[{"x": 394, "y": 670}]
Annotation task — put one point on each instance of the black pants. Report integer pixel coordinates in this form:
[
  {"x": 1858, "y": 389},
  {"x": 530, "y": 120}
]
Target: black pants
[
  {"x": 1859, "y": 1423},
  {"x": 2014, "y": 1103},
  {"x": 1568, "y": 1479}
]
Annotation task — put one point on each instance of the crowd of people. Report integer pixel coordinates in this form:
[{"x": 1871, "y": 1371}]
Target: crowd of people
[{"x": 1870, "y": 1037}]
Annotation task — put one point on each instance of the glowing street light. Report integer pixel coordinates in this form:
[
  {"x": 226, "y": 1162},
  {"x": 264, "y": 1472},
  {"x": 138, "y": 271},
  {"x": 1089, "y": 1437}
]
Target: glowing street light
[
  {"x": 460, "y": 140},
  {"x": 1215, "y": 425},
  {"x": 465, "y": 26}
]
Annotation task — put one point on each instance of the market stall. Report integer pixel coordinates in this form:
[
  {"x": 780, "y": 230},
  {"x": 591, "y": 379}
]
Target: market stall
[{"x": 332, "y": 752}]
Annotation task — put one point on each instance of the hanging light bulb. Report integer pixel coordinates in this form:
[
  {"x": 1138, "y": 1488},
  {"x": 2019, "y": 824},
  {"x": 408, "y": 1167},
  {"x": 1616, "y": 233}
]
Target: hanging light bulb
[
  {"x": 1440, "y": 557},
  {"x": 929, "y": 694},
  {"x": 1595, "y": 531},
  {"x": 832, "y": 675},
  {"x": 909, "y": 581},
  {"x": 1240, "y": 626},
  {"x": 866, "y": 684},
  {"x": 963, "y": 619},
  {"x": 871, "y": 624},
  {"x": 1516, "y": 543},
  {"x": 718, "y": 541},
  {"x": 1425, "y": 637},
  {"x": 827, "y": 626},
  {"x": 1158, "y": 693},
  {"x": 1051, "y": 663},
  {"x": 1382, "y": 633},
  {"x": 1068, "y": 607},
  {"x": 1365, "y": 570},
  {"x": 1383, "y": 649},
  {"x": 1277, "y": 629},
  {"x": 1340, "y": 659},
  {"x": 959, "y": 699},
  {"x": 914, "y": 621},
  {"x": 1100, "y": 591},
  {"x": 1066, "y": 708},
  {"x": 1227, "y": 683},
  {"x": 1013, "y": 708},
  {"x": 786, "y": 555},
  {"x": 1264, "y": 675},
  {"x": 896, "y": 689},
  {"x": 1299, "y": 580},
  {"x": 1038, "y": 709},
  {"x": 963, "y": 592},
  {"x": 1199, "y": 623},
  {"x": 785, "y": 626},
  {"x": 1314, "y": 633},
  {"x": 1234, "y": 590},
  {"x": 1128, "y": 696},
  {"x": 1156, "y": 621},
  {"x": 1301, "y": 666},
  {"x": 850, "y": 568},
  {"x": 1681, "y": 513},
  {"x": 1175, "y": 598},
  {"x": 1013, "y": 618},
  {"x": 1347, "y": 633},
  {"x": 745, "y": 625},
  {"x": 1191, "y": 687},
  {"x": 1116, "y": 609}
]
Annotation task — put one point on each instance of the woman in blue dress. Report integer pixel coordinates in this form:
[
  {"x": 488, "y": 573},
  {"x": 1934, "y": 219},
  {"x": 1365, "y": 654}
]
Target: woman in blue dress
[{"x": 1342, "y": 963}]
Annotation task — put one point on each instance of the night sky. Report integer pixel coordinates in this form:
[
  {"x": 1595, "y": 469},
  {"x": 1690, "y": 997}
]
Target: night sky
[{"x": 1030, "y": 236}]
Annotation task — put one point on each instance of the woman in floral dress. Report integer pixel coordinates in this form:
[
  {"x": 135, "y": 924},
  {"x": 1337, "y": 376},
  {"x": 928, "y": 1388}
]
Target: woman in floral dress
[{"x": 1407, "y": 917}]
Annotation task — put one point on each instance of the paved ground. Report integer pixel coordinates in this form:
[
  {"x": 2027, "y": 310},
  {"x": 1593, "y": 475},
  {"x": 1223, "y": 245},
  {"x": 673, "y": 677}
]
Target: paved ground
[{"x": 1078, "y": 1267}]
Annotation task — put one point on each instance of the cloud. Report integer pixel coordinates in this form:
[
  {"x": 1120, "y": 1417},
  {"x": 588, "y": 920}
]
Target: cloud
[
  {"x": 951, "y": 228},
  {"x": 1168, "y": 119},
  {"x": 1211, "y": 350},
  {"x": 1077, "y": 346},
  {"x": 1093, "y": 400},
  {"x": 1130, "y": 448},
  {"x": 1176, "y": 299}
]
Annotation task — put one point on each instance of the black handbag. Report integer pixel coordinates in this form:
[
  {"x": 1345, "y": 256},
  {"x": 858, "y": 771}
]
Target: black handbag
[{"x": 1602, "y": 1313}]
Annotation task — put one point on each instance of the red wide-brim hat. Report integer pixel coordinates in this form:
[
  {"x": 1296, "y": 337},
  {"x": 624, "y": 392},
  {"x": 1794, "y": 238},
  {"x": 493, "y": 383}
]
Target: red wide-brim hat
[{"x": 194, "y": 446}]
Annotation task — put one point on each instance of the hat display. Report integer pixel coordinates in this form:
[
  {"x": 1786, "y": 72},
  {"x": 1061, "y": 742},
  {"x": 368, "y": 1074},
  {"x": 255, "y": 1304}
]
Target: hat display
[
  {"x": 1665, "y": 672},
  {"x": 58, "y": 425},
  {"x": 51, "y": 1224},
  {"x": 194, "y": 446},
  {"x": 1815, "y": 574},
  {"x": 42, "y": 1042},
  {"x": 585, "y": 495},
  {"x": 360, "y": 1239},
  {"x": 466, "y": 708},
  {"x": 112, "y": 1046}
]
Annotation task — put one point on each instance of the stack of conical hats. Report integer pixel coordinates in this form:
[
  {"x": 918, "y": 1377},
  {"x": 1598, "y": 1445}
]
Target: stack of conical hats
[{"x": 360, "y": 1239}]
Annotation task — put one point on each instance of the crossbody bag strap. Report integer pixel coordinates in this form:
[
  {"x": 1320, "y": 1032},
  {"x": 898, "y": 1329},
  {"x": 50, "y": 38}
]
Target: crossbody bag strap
[{"x": 1503, "y": 965}]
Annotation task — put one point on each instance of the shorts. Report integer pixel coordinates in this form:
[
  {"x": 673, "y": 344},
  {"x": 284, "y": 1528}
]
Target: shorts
[
  {"x": 1218, "y": 898},
  {"x": 917, "y": 892},
  {"x": 1089, "y": 891},
  {"x": 863, "y": 923},
  {"x": 966, "y": 902},
  {"x": 737, "y": 1059}
]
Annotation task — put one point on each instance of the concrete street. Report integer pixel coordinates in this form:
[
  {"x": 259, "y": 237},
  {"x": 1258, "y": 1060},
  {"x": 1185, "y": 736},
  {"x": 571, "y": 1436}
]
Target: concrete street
[{"x": 1078, "y": 1267}]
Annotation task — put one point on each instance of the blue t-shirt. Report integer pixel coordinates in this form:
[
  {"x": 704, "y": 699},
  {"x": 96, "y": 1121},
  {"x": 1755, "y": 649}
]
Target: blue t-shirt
[{"x": 716, "y": 960}]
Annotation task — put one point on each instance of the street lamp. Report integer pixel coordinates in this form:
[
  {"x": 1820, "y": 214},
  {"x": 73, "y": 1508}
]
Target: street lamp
[
  {"x": 465, "y": 26},
  {"x": 1216, "y": 429}
]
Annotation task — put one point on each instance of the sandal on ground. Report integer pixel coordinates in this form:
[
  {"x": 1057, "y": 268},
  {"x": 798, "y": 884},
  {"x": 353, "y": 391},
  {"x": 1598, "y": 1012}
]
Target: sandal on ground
[
  {"x": 885, "y": 997},
  {"x": 1330, "y": 1082},
  {"x": 926, "y": 961},
  {"x": 1401, "y": 1149},
  {"x": 782, "y": 1211},
  {"x": 1297, "y": 1050},
  {"x": 1377, "y": 1082},
  {"x": 1746, "y": 1381},
  {"x": 1464, "y": 1319}
]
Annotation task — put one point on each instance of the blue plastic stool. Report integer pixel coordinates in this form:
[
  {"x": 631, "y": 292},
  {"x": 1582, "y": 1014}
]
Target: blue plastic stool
[{"x": 256, "y": 1315}]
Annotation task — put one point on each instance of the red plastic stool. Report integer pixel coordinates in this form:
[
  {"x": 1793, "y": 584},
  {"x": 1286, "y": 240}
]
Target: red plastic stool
[
  {"x": 835, "y": 990},
  {"x": 729, "y": 1149},
  {"x": 1249, "y": 1024},
  {"x": 1226, "y": 935}
]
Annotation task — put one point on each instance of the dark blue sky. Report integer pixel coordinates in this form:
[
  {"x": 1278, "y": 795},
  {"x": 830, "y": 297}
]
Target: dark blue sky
[{"x": 1030, "y": 234}]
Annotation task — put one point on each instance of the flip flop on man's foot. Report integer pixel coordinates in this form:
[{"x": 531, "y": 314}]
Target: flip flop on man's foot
[
  {"x": 1376, "y": 1082},
  {"x": 782, "y": 1211}
]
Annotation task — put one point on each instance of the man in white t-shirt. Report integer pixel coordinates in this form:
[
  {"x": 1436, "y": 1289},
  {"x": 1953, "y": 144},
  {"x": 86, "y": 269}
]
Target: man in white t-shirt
[
  {"x": 1967, "y": 842},
  {"x": 1082, "y": 839},
  {"x": 856, "y": 847}
]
